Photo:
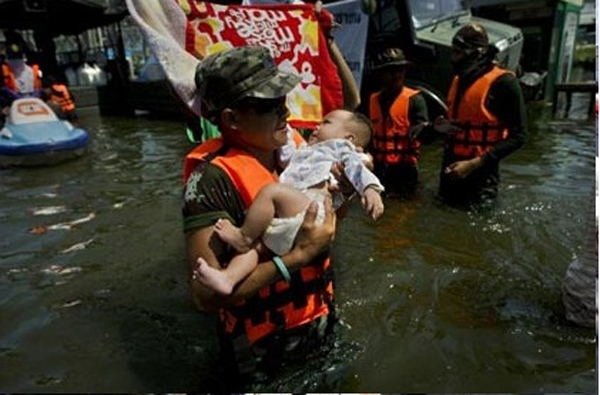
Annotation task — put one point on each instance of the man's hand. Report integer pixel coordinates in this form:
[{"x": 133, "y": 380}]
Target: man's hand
[
  {"x": 369, "y": 161},
  {"x": 343, "y": 183},
  {"x": 444, "y": 126},
  {"x": 325, "y": 19},
  {"x": 463, "y": 168},
  {"x": 313, "y": 239},
  {"x": 415, "y": 131},
  {"x": 372, "y": 203}
]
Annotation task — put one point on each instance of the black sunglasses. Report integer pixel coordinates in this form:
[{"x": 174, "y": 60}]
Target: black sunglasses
[{"x": 261, "y": 106}]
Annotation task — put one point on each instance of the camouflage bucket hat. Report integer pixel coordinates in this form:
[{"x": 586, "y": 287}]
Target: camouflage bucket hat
[
  {"x": 390, "y": 57},
  {"x": 228, "y": 76}
]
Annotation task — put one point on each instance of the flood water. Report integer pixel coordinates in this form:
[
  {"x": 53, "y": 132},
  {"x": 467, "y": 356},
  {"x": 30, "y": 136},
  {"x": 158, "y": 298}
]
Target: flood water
[{"x": 94, "y": 296}]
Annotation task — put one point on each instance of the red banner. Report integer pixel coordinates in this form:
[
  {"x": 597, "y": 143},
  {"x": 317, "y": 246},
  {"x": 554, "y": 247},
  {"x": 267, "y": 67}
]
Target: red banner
[{"x": 292, "y": 34}]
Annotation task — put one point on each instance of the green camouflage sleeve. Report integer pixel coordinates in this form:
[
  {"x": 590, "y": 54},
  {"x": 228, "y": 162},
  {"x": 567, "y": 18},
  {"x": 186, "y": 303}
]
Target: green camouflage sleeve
[{"x": 209, "y": 195}]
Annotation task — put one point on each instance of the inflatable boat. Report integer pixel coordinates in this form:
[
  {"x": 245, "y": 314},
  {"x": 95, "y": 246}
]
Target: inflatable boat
[{"x": 34, "y": 136}]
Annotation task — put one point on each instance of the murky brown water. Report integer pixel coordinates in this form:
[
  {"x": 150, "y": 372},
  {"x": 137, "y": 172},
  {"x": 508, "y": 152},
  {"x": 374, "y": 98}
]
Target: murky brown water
[{"x": 432, "y": 299}]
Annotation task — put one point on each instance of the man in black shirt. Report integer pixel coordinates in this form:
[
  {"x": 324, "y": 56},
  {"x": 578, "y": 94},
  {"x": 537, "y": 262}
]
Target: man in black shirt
[{"x": 487, "y": 119}]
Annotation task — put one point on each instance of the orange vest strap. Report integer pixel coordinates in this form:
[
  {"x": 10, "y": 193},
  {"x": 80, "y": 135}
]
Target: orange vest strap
[{"x": 198, "y": 154}]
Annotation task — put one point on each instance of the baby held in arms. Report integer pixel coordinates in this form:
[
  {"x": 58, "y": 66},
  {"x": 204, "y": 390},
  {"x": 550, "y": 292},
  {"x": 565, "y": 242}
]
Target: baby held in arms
[{"x": 277, "y": 213}]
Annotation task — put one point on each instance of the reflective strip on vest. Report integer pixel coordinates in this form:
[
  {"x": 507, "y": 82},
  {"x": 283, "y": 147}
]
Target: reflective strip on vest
[
  {"x": 391, "y": 143},
  {"x": 481, "y": 130}
]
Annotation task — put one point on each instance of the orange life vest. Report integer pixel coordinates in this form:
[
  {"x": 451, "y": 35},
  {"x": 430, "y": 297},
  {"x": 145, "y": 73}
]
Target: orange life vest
[
  {"x": 61, "y": 95},
  {"x": 280, "y": 305},
  {"x": 391, "y": 142},
  {"x": 481, "y": 130},
  {"x": 10, "y": 81}
]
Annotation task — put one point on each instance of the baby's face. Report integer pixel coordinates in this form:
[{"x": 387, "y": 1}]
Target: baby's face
[{"x": 336, "y": 125}]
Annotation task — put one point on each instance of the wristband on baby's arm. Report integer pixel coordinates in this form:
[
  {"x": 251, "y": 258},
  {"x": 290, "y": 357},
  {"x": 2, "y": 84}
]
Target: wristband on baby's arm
[{"x": 283, "y": 270}]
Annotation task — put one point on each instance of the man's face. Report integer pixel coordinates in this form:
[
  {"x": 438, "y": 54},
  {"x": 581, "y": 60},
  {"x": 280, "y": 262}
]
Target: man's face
[
  {"x": 462, "y": 58},
  {"x": 392, "y": 78},
  {"x": 15, "y": 62},
  {"x": 457, "y": 54},
  {"x": 261, "y": 123},
  {"x": 335, "y": 125}
]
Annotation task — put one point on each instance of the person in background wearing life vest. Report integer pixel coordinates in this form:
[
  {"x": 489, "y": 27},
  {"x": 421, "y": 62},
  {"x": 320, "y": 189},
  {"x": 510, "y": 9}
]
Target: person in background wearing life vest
[
  {"x": 284, "y": 308},
  {"x": 487, "y": 122},
  {"x": 59, "y": 98},
  {"x": 18, "y": 78},
  {"x": 398, "y": 113}
]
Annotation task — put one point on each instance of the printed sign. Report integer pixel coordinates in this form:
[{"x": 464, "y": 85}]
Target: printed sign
[
  {"x": 351, "y": 36},
  {"x": 292, "y": 34}
]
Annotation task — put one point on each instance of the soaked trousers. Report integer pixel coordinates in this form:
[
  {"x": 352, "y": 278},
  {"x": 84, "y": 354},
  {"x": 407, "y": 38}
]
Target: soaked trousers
[
  {"x": 481, "y": 187},
  {"x": 400, "y": 179},
  {"x": 242, "y": 365}
]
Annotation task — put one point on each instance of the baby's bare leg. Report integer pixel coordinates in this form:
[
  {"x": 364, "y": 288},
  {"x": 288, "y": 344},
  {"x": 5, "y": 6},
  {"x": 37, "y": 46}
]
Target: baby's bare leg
[
  {"x": 233, "y": 236},
  {"x": 273, "y": 201},
  {"x": 223, "y": 281}
]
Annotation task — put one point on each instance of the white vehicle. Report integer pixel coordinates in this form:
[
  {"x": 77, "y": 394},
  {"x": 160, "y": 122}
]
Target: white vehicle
[{"x": 424, "y": 30}]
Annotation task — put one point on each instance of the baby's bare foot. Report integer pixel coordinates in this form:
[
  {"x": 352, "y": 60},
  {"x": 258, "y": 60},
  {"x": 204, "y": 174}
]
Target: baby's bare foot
[
  {"x": 232, "y": 235},
  {"x": 212, "y": 278}
]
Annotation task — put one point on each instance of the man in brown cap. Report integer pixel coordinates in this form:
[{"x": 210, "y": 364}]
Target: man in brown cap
[
  {"x": 285, "y": 306},
  {"x": 394, "y": 111},
  {"x": 487, "y": 110}
]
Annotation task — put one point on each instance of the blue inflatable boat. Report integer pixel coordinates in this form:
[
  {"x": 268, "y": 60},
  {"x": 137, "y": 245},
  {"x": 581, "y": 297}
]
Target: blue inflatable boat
[{"x": 34, "y": 136}]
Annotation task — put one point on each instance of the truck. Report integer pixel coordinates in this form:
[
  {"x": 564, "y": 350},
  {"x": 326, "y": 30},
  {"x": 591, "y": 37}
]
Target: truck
[{"x": 424, "y": 29}]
